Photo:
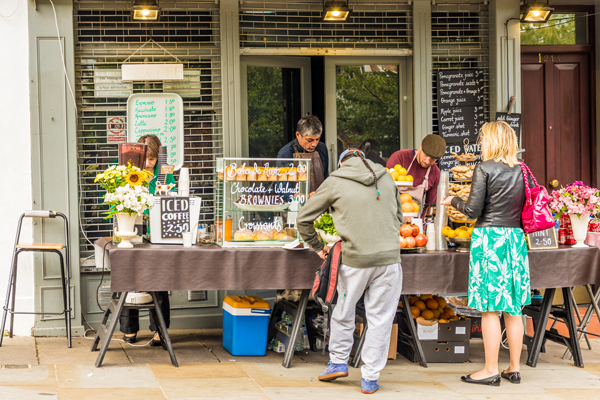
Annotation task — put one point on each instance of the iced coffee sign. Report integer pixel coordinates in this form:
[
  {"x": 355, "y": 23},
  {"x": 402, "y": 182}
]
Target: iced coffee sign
[{"x": 159, "y": 114}]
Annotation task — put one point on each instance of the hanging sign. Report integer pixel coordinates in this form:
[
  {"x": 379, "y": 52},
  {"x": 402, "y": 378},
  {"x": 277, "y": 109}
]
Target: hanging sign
[
  {"x": 159, "y": 114},
  {"x": 174, "y": 216},
  {"x": 151, "y": 72}
]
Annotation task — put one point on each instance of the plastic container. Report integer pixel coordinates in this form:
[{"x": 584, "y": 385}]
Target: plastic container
[{"x": 245, "y": 325}]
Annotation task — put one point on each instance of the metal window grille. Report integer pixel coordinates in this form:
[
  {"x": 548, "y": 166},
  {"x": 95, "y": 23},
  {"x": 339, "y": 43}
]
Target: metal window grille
[
  {"x": 372, "y": 24},
  {"x": 460, "y": 40},
  {"x": 105, "y": 36}
]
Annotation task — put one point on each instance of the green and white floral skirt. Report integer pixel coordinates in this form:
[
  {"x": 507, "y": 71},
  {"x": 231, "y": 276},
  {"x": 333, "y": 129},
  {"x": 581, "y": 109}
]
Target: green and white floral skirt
[{"x": 499, "y": 270}]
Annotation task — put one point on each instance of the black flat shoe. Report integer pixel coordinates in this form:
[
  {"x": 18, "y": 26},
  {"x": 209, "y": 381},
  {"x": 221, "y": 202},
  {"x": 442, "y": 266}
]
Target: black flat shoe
[
  {"x": 491, "y": 381},
  {"x": 156, "y": 343},
  {"x": 130, "y": 339},
  {"x": 512, "y": 377}
]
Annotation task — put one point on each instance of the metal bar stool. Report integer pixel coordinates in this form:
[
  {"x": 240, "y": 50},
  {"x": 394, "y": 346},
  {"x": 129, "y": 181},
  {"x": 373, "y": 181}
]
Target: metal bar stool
[{"x": 43, "y": 247}]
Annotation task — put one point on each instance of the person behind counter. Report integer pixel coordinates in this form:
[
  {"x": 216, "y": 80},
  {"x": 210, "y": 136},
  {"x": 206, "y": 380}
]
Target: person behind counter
[
  {"x": 425, "y": 172},
  {"x": 367, "y": 213},
  {"x": 498, "y": 263},
  {"x": 307, "y": 145},
  {"x": 129, "y": 319}
]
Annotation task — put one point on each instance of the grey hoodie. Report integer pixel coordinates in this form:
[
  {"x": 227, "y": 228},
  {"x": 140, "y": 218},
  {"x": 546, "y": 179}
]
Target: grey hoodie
[{"x": 369, "y": 228}]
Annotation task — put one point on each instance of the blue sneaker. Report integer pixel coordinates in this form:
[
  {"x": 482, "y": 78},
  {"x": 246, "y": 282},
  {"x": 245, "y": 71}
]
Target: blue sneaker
[
  {"x": 334, "y": 371},
  {"x": 368, "y": 387}
]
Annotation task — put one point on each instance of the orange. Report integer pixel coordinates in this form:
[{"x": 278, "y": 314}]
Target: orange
[
  {"x": 397, "y": 167},
  {"x": 412, "y": 300},
  {"x": 395, "y": 175},
  {"x": 436, "y": 314},
  {"x": 401, "y": 178},
  {"x": 415, "y": 311},
  {"x": 420, "y": 305},
  {"x": 427, "y": 314},
  {"x": 444, "y": 316},
  {"x": 407, "y": 208},
  {"x": 442, "y": 302},
  {"x": 415, "y": 206},
  {"x": 424, "y": 297},
  {"x": 445, "y": 230},
  {"x": 401, "y": 171},
  {"x": 409, "y": 178},
  {"x": 448, "y": 311},
  {"x": 440, "y": 309},
  {"x": 431, "y": 304},
  {"x": 405, "y": 198}
]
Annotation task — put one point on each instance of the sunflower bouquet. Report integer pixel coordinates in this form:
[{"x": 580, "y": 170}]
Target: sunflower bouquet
[{"x": 126, "y": 189}]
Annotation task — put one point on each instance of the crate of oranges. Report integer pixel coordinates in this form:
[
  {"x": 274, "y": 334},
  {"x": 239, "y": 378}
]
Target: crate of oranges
[{"x": 400, "y": 175}]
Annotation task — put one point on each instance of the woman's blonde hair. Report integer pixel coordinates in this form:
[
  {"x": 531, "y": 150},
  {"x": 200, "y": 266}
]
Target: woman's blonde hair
[{"x": 499, "y": 143}]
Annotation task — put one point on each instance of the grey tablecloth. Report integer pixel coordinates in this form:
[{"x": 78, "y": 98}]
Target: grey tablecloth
[{"x": 149, "y": 267}]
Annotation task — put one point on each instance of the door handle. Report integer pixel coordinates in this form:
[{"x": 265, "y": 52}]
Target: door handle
[{"x": 554, "y": 183}]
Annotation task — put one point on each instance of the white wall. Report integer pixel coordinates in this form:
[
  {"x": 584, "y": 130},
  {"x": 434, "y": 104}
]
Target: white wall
[{"x": 16, "y": 166}]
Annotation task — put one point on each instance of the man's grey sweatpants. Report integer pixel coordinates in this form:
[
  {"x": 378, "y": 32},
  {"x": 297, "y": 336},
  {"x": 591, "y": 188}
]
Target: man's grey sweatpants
[{"x": 382, "y": 287}]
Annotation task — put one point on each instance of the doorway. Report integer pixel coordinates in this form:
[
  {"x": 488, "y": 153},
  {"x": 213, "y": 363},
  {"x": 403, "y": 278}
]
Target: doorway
[
  {"x": 368, "y": 99},
  {"x": 276, "y": 93},
  {"x": 557, "y": 119}
]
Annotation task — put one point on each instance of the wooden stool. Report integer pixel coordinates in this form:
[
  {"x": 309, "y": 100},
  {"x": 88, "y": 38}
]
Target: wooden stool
[{"x": 42, "y": 247}]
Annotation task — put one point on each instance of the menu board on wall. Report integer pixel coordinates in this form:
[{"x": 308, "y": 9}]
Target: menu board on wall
[
  {"x": 460, "y": 95},
  {"x": 159, "y": 114}
]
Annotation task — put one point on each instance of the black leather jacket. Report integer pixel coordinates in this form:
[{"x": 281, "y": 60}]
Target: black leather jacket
[{"x": 497, "y": 196}]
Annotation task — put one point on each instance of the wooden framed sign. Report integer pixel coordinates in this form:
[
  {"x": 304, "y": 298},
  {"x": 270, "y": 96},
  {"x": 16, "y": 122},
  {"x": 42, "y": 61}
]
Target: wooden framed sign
[{"x": 542, "y": 240}]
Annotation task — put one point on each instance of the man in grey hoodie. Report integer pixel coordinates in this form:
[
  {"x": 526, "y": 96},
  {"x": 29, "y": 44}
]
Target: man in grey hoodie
[{"x": 367, "y": 214}]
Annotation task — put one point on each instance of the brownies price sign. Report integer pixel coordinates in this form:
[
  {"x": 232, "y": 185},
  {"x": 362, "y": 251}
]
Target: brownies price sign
[{"x": 174, "y": 216}]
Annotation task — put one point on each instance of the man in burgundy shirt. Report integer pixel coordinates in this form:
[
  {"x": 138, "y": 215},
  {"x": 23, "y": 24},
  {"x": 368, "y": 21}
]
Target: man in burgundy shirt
[{"x": 431, "y": 149}]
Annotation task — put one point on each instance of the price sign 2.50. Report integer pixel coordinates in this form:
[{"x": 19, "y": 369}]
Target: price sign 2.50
[{"x": 542, "y": 240}]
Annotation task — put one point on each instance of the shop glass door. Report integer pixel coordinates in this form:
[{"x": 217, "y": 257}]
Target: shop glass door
[
  {"x": 275, "y": 95},
  {"x": 367, "y": 100}
]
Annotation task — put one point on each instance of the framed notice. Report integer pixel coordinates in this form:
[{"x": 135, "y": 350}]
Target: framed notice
[
  {"x": 542, "y": 240},
  {"x": 174, "y": 216},
  {"x": 159, "y": 114}
]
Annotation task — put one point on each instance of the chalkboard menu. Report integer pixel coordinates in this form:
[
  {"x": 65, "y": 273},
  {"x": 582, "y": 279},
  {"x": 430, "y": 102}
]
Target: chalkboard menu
[
  {"x": 460, "y": 95},
  {"x": 514, "y": 120},
  {"x": 159, "y": 114},
  {"x": 174, "y": 216},
  {"x": 542, "y": 240}
]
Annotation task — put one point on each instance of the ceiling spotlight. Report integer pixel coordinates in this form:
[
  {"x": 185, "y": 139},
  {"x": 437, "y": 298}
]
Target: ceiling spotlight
[
  {"x": 145, "y": 10},
  {"x": 536, "y": 12},
  {"x": 335, "y": 11}
]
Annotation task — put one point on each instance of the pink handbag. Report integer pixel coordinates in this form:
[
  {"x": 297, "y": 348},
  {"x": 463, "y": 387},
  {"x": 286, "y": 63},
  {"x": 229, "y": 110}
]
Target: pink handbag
[{"x": 536, "y": 213}]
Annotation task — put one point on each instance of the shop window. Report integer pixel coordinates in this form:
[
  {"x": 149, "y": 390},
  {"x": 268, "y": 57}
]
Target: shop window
[{"x": 561, "y": 29}]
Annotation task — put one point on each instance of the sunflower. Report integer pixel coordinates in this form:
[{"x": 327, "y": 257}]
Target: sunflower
[{"x": 135, "y": 178}]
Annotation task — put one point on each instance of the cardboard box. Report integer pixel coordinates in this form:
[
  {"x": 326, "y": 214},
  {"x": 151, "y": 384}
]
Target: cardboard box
[
  {"x": 437, "y": 352},
  {"x": 452, "y": 331},
  {"x": 393, "y": 350}
]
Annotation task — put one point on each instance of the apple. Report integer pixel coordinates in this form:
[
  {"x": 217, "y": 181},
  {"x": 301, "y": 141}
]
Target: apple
[
  {"x": 406, "y": 230},
  {"x": 421, "y": 240},
  {"x": 402, "y": 242},
  {"x": 415, "y": 229},
  {"x": 410, "y": 242}
]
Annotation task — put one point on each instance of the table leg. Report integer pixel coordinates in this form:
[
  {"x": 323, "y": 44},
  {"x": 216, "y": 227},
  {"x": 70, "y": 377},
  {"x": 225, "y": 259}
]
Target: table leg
[
  {"x": 106, "y": 333},
  {"x": 296, "y": 325},
  {"x": 570, "y": 320},
  {"x": 540, "y": 328},
  {"x": 162, "y": 329},
  {"x": 410, "y": 322}
]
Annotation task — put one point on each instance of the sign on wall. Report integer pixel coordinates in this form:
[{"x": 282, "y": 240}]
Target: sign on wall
[
  {"x": 159, "y": 114},
  {"x": 151, "y": 72}
]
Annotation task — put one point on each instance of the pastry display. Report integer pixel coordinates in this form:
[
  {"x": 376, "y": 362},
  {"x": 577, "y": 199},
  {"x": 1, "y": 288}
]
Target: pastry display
[
  {"x": 263, "y": 235},
  {"x": 272, "y": 174},
  {"x": 456, "y": 215},
  {"x": 465, "y": 157},
  {"x": 230, "y": 174},
  {"x": 240, "y": 174},
  {"x": 243, "y": 234},
  {"x": 463, "y": 172},
  {"x": 279, "y": 234},
  {"x": 462, "y": 191},
  {"x": 262, "y": 173},
  {"x": 252, "y": 174},
  {"x": 283, "y": 174},
  {"x": 302, "y": 175},
  {"x": 293, "y": 174}
]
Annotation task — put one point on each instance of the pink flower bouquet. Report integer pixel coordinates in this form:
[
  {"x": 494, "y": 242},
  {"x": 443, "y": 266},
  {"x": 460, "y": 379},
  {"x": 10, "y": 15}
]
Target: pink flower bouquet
[{"x": 577, "y": 198}]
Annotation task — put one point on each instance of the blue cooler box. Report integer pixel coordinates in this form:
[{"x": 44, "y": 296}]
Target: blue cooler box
[{"x": 245, "y": 325}]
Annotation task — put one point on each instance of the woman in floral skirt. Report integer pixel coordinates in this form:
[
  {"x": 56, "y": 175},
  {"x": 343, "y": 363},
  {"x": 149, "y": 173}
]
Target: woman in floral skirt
[{"x": 498, "y": 264}]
